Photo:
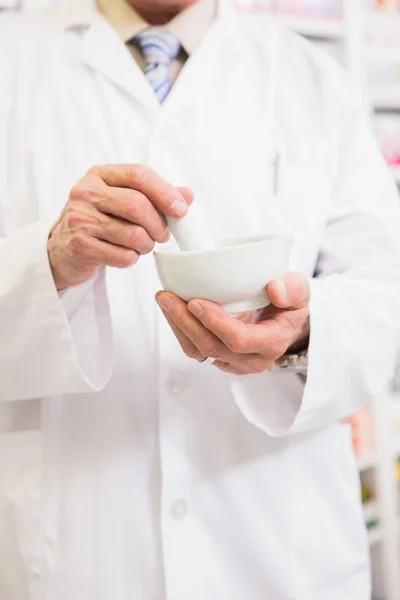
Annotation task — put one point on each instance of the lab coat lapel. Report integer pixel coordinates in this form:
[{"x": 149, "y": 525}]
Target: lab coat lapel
[
  {"x": 197, "y": 73},
  {"x": 103, "y": 51}
]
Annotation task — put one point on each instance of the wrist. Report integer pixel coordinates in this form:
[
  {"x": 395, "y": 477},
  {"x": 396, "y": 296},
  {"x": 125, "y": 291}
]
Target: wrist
[{"x": 61, "y": 284}]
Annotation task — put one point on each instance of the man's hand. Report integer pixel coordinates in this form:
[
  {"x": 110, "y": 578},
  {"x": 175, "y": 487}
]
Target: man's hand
[
  {"x": 248, "y": 343},
  {"x": 113, "y": 215}
]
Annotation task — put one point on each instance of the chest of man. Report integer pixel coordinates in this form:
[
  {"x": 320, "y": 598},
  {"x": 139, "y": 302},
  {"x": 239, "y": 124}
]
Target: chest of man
[{"x": 215, "y": 133}]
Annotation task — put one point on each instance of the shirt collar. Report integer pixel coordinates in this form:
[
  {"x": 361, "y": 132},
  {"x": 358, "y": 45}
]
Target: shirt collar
[{"x": 189, "y": 26}]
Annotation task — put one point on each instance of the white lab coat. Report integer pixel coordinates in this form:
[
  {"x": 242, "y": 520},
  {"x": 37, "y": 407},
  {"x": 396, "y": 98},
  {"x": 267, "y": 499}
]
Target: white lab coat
[{"x": 128, "y": 471}]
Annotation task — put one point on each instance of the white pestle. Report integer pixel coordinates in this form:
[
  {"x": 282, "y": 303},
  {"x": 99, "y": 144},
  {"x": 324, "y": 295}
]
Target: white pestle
[{"x": 190, "y": 232}]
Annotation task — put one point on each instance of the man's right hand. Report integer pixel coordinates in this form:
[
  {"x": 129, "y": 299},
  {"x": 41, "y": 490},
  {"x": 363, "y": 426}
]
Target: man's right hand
[{"x": 113, "y": 215}]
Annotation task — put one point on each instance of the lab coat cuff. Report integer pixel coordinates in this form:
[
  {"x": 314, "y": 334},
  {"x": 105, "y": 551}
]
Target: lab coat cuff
[
  {"x": 282, "y": 403},
  {"x": 46, "y": 345},
  {"x": 88, "y": 359},
  {"x": 72, "y": 298},
  {"x": 86, "y": 308}
]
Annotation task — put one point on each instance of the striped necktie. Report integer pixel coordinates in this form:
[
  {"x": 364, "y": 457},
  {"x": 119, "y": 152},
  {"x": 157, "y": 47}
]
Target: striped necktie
[{"x": 159, "y": 48}]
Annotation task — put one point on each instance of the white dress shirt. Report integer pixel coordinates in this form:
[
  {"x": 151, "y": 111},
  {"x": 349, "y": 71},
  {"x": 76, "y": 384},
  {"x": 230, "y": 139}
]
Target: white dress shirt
[
  {"x": 128, "y": 471},
  {"x": 189, "y": 27}
]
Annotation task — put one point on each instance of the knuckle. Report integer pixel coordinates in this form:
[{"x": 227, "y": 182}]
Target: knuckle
[
  {"x": 279, "y": 348},
  {"x": 89, "y": 195},
  {"x": 230, "y": 368},
  {"x": 128, "y": 259},
  {"x": 211, "y": 349},
  {"x": 79, "y": 243},
  {"x": 239, "y": 344},
  {"x": 95, "y": 170},
  {"x": 134, "y": 204},
  {"x": 138, "y": 238},
  {"x": 164, "y": 196},
  {"x": 135, "y": 236},
  {"x": 180, "y": 319},
  {"x": 139, "y": 174},
  {"x": 148, "y": 246},
  {"x": 73, "y": 219},
  {"x": 192, "y": 352},
  {"x": 257, "y": 366},
  {"x": 75, "y": 193},
  {"x": 84, "y": 193}
]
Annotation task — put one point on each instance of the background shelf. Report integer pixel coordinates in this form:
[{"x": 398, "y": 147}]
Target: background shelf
[{"x": 313, "y": 27}]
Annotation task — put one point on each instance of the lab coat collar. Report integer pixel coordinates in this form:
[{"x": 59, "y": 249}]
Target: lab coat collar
[
  {"x": 77, "y": 14},
  {"x": 189, "y": 26},
  {"x": 103, "y": 51},
  {"x": 81, "y": 14}
]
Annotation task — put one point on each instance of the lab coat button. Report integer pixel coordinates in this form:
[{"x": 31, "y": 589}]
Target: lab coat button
[
  {"x": 177, "y": 384},
  {"x": 179, "y": 509}
]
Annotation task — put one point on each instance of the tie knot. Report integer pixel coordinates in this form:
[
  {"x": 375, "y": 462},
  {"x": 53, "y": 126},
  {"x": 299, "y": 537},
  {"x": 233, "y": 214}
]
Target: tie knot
[{"x": 158, "y": 46}]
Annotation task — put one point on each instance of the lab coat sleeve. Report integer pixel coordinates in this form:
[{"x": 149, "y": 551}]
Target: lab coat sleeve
[
  {"x": 49, "y": 345},
  {"x": 355, "y": 301}
]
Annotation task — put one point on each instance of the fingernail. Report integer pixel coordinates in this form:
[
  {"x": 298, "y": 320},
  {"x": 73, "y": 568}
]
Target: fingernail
[
  {"x": 281, "y": 287},
  {"x": 166, "y": 236},
  {"x": 196, "y": 309},
  {"x": 165, "y": 302},
  {"x": 179, "y": 208}
]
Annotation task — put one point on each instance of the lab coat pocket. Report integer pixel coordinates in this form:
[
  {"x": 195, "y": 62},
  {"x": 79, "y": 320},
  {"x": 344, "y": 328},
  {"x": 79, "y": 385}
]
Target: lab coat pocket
[{"x": 21, "y": 515}]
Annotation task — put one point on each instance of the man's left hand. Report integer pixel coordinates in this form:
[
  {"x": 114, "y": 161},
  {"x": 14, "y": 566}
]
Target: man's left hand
[{"x": 247, "y": 343}]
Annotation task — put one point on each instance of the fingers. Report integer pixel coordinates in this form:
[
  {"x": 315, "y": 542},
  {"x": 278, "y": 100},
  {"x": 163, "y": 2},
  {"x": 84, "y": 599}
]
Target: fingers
[
  {"x": 205, "y": 342},
  {"x": 121, "y": 233},
  {"x": 247, "y": 365},
  {"x": 164, "y": 196},
  {"x": 98, "y": 252},
  {"x": 187, "y": 194},
  {"x": 133, "y": 207},
  {"x": 113, "y": 215},
  {"x": 292, "y": 292},
  {"x": 197, "y": 342},
  {"x": 239, "y": 369},
  {"x": 186, "y": 344},
  {"x": 241, "y": 338}
]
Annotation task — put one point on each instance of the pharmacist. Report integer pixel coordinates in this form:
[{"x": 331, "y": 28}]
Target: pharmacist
[{"x": 128, "y": 468}]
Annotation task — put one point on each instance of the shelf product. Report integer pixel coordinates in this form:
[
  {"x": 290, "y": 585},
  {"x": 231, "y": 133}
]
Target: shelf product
[
  {"x": 389, "y": 5},
  {"x": 315, "y": 8},
  {"x": 362, "y": 425},
  {"x": 387, "y": 129}
]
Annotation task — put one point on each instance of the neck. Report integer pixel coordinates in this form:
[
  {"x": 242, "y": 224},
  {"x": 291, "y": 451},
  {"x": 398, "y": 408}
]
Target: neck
[{"x": 153, "y": 15}]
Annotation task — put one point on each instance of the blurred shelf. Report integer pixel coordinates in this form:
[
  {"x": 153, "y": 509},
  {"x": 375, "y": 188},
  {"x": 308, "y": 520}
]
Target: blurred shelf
[
  {"x": 383, "y": 22},
  {"x": 371, "y": 511},
  {"x": 9, "y": 4},
  {"x": 387, "y": 98},
  {"x": 312, "y": 27},
  {"x": 384, "y": 54},
  {"x": 396, "y": 447},
  {"x": 376, "y": 535},
  {"x": 366, "y": 463}
]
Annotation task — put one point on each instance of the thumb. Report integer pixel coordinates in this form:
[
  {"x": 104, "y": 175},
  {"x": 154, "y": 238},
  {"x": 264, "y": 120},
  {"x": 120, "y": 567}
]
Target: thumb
[
  {"x": 290, "y": 293},
  {"x": 188, "y": 194}
]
